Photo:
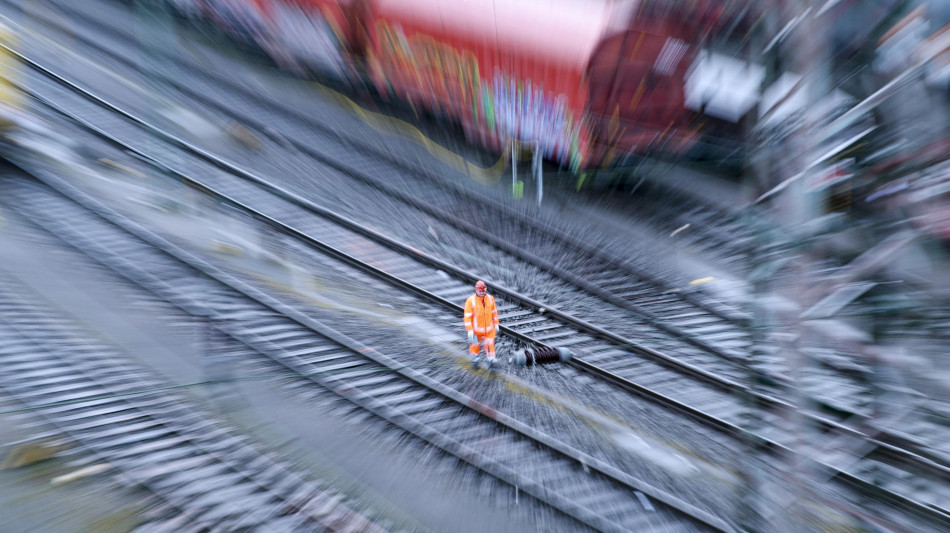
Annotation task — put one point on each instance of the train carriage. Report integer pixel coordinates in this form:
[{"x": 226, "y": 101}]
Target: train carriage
[
  {"x": 582, "y": 83},
  {"x": 636, "y": 79},
  {"x": 506, "y": 71}
]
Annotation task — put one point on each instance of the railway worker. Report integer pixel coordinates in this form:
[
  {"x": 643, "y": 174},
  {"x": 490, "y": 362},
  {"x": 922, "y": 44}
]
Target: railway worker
[{"x": 481, "y": 323}]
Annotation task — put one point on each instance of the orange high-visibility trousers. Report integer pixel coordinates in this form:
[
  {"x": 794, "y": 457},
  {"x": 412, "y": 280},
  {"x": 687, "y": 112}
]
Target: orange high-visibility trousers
[{"x": 489, "y": 343}]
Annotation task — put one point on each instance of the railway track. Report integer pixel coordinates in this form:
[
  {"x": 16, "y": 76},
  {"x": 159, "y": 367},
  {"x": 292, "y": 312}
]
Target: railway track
[
  {"x": 708, "y": 326},
  {"x": 132, "y": 426},
  {"x": 646, "y": 293},
  {"x": 658, "y": 314},
  {"x": 83, "y": 236},
  {"x": 704, "y": 331},
  {"x": 724, "y": 405},
  {"x": 581, "y": 486},
  {"x": 857, "y": 481}
]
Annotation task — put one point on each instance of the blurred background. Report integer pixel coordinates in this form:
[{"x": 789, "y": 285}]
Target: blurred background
[{"x": 717, "y": 233}]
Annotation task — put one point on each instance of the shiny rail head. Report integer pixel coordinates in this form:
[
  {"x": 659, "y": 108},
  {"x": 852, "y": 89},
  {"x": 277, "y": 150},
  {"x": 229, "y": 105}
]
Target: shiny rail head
[{"x": 540, "y": 355}]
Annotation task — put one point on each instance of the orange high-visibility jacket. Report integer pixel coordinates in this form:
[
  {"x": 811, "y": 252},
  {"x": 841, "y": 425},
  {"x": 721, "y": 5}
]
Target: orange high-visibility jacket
[{"x": 481, "y": 315}]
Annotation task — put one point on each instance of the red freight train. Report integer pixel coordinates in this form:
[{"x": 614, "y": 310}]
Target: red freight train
[{"x": 585, "y": 82}]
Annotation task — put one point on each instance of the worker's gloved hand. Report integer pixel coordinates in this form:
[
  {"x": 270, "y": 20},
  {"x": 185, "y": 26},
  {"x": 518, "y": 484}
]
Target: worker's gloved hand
[{"x": 472, "y": 339}]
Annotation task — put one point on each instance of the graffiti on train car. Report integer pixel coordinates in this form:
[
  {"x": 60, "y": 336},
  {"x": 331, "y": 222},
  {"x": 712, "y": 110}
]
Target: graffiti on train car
[
  {"x": 527, "y": 112},
  {"x": 446, "y": 79},
  {"x": 439, "y": 74}
]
